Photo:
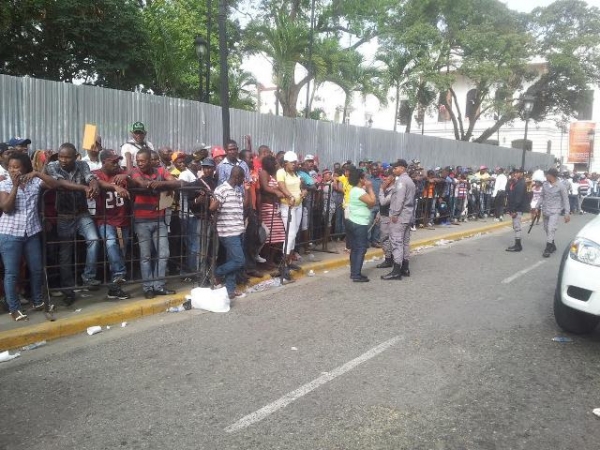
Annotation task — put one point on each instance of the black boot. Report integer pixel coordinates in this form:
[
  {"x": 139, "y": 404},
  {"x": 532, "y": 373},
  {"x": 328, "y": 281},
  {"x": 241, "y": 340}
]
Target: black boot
[
  {"x": 404, "y": 270},
  {"x": 515, "y": 248},
  {"x": 553, "y": 247},
  {"x": 395, "y": 274},
  {"x": 389, "y": 262},
  {"x": 547, "y": 250}
]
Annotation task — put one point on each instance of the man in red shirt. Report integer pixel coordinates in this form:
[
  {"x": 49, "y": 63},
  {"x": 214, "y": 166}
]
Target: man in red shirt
[
  {"x": 112, "y": 218},
  {"x": 150, "y": 225}
]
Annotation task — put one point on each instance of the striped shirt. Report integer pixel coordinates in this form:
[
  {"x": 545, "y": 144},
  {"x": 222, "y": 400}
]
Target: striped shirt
[
  {"x": 24, "y": 220},
  {"x": 230, "y": 215}
]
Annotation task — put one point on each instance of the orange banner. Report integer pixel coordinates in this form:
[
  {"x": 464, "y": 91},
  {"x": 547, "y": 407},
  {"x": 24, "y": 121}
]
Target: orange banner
[{"x": 579, "y": 141}]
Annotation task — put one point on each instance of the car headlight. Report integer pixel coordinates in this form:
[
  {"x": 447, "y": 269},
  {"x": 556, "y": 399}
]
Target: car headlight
[{"x": 585, "y": 251}]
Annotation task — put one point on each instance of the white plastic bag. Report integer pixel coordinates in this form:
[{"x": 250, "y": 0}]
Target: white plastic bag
[{"x": 214, "y": 300}]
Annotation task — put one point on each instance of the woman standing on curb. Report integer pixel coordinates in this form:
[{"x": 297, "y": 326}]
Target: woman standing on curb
[
  {"x": 20, "y": 230},
  {"x": 361, "y": 200}
]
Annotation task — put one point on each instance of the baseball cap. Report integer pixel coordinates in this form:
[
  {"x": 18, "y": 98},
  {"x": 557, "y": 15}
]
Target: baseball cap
[
  {"x": 309, "y": 158},
  {"x": 208, "y": 162},
  {"x": 290, "y": 156},
  {"x": 107, "y": 155},
  {"x": 483, "y": 168},
  {"x": 176, "y": 155},
  {"x": 518, "y": 169},
  {"x": 385, "y": 165},
  {"x": 138, "y": 126},
  {"x": 18, "y": 141},
  {"x": 218, "y": 151},
  {"x": 400, "y": 163}
]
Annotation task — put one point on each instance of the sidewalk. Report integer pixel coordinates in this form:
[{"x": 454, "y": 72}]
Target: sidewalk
[{"x": 93, "y": 308}]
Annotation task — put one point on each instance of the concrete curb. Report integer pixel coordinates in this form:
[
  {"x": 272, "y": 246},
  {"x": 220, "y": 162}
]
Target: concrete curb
[{"x": 69, "y": 326}]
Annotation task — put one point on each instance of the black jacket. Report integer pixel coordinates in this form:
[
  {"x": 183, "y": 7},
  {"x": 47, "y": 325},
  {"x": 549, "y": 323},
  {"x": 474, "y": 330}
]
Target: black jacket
[{"x": 518, "y": 200}]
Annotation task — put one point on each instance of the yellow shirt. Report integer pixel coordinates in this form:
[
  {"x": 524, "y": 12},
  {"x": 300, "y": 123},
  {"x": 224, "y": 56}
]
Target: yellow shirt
[
  {"x": 347, "y": 188},
  {"x": 292, "y": 184}
]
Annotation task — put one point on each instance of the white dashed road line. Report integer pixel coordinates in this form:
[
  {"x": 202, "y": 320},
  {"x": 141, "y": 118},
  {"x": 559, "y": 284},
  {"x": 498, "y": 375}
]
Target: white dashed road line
[
  {"x": 522, "y": 272},
  {"x": 290, "y": 397}
]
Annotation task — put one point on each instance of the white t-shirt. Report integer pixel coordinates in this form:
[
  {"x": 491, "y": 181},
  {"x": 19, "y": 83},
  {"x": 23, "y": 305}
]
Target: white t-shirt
[
  {"x": 4, "y": 173},
  {"x": 93, "y": 165},
  {"x": 132, "y": 148},
  {"x": 187, "y": 176}
]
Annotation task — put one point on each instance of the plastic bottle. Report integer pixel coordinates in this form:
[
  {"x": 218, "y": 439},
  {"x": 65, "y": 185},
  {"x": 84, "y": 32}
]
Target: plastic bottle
[
  {"x": 34, "y": 345},
  {"x": 175, "y": 309}
]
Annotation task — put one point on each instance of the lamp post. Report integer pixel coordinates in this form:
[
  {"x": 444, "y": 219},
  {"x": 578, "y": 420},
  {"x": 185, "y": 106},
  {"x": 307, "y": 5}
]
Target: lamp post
[
  {"x": 527, "y": 108},
  {"x": 201, "y": 51},
  {"x": 224, "y": 69},
  {"x": 591, "y": 136}
]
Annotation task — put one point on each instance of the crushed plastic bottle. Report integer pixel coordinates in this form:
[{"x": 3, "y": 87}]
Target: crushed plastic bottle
[
  {"x": 176, "y": 309},
  {"x": 6, "y": 356},
  {"x": 264, "y": 285},
  {"x": 32, "y": 346},
  {"x": 562, "y": 339}
]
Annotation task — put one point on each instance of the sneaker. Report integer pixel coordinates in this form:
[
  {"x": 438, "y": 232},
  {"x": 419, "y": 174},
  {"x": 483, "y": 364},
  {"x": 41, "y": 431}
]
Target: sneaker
[
  {"x": 149, "y": 294},
  {"x": 413, "y": 228},
  {"x": 91, "y": 284},
  {"x": 259, "y": 259},
  {"x": 119, "y": 279},
  {"x": 236, "y": 294},
  {"x": 18, "y": 316},
  {"x": 69, "y": 296},
  {"x": 118, "y": 293},
  {"x": 39, "y": 307}
]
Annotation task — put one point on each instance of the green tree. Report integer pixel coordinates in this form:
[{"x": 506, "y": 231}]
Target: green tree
[
  {"x": 101, "y": 42},
  {"x": 281, "y": 31},
  {"x": 566, "y": 36}
]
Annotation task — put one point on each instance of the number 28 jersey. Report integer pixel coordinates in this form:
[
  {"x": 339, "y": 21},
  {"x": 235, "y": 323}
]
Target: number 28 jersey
[{"x": 111, "y": 209}]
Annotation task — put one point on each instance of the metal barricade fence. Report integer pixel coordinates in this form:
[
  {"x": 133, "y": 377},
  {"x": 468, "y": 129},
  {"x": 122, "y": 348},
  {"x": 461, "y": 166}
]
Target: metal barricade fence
[{"x": 179, "y": 242}]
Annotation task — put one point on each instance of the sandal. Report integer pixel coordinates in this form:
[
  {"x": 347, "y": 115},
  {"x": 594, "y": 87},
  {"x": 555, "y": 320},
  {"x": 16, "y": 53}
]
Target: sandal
[{"x": 18, "y": 315}]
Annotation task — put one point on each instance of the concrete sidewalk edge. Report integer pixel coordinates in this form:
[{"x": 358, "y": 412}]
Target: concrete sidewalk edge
[{"x": 79, "y": 322}]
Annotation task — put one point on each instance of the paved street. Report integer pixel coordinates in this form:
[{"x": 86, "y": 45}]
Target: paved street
[{"x": 450, "y": 358}]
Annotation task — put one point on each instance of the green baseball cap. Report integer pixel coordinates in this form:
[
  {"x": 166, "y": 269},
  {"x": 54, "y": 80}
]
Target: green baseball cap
[{"x": 138, "y": 126}]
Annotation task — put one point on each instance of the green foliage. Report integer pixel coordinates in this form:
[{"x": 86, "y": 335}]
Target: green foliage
[{"x": 102, "y": 42}]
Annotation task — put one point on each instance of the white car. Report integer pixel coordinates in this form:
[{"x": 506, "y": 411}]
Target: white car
[{"x": 577, "y": 296}]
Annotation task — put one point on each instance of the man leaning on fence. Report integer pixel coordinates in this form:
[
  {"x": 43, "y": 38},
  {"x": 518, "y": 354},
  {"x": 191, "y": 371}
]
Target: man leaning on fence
[
  {"x": 73, "y": 217},
  {"x": 150, "y": 225},
  {"x": 112, "y": 218}
]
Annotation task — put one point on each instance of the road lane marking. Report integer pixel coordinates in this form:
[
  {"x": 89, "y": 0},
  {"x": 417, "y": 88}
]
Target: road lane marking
[
  {"x": 521, "y": 273},
  {"x": 290, "y": 397}
]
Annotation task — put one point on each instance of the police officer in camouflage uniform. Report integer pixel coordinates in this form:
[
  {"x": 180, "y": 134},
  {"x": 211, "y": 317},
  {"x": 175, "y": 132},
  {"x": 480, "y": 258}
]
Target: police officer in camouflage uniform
[
  {"x": 402, "y": 203},
  {"x": 385, "y": 196},
  {"x": 554, "y": 202},
  {"x": 518, "y": 203}
]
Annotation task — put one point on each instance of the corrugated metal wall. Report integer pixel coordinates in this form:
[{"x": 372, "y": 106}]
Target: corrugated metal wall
[{"x": 50, "y": 113}]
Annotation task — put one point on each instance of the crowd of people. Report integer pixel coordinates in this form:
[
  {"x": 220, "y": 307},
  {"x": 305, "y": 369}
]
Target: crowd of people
[{"x": 142, "y": 213}]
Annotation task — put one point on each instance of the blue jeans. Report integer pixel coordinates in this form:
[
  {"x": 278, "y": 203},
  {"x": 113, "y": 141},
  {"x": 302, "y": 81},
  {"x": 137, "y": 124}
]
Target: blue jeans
[
  {"x": 11, "y": 249},
  {"x": 68, "y": 229},
  {"x": 191, "y": 230},
  {"x": 356, "y": 239},
  {"x": 116, "y": 257},
  {"x": 235, "y": 261},
  {"x": 339, "y": 220},
  {"x": 153, "y": 240}
]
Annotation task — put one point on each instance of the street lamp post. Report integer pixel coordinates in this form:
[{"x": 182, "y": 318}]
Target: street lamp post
[
  {"x": 201, "y": 51},
  {"x": 224, "y": 69},
  {"x": 591, "y": 137},
  {"x": 527, "y": 108}
]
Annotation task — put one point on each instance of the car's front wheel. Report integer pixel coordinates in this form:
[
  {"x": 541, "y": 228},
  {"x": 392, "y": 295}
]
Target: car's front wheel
[{"x": 570, "y": 319}]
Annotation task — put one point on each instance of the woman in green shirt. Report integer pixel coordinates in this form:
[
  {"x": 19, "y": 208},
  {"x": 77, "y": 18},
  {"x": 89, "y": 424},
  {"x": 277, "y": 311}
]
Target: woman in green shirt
[{"x": 361, "y": 200}]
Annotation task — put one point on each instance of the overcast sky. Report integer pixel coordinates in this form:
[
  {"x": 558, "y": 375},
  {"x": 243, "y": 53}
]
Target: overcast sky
[{"x": 528, "y": 5}]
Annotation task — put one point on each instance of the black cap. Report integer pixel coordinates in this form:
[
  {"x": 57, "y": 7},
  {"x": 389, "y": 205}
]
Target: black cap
[
  {"x": 208, "y": 162},
  {"x": 108, "y": 154},
  {"x": 518, "y": 169},
  {"x": 400, "y": 163}
]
